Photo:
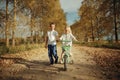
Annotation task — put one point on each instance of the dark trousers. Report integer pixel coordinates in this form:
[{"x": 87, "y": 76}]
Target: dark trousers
[{"x": 52, "y": 51}]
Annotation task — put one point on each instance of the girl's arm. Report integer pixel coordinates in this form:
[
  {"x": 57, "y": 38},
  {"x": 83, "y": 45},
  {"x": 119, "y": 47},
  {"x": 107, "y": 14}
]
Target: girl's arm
[
  {"x": 73, "y": 37},
  {"x": 61, "y": 38}
]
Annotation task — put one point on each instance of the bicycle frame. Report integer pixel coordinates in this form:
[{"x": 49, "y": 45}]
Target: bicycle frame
[
  {"x": 66, "y": 53},
  {"x": 66, "y": 56}
]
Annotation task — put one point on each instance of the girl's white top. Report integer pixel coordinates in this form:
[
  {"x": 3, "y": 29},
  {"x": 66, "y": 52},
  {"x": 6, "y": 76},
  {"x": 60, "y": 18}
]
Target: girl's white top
[
  {"x": 67, "y": 39},
  {"x": 52, "y": 37}
]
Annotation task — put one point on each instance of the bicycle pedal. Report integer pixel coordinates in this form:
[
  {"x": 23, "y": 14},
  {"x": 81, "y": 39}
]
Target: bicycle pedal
[{"x": 71, "y": 62}]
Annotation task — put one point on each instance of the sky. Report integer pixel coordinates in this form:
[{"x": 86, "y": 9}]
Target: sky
[{"x": 71, "y": 7}]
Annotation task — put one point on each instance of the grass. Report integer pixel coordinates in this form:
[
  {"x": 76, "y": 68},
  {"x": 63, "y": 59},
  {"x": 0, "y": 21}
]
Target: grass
[
  {"x": 100, "y": 44},
  {"x": 19, "y": 48}
]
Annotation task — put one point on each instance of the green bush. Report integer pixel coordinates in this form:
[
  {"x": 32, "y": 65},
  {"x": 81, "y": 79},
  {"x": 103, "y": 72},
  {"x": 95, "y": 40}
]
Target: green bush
[
  {"x": 101, "y": 45},
  {"x": 25, "y": 47},
  {"x": 4, "y": 49}
]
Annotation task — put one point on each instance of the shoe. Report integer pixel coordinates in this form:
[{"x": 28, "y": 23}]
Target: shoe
[
  {"x": 61, "y": 61},
  {"x": 51, "y": 64},
  {"x": 71, "y": 62},
  {"x": 56, "y": 60}
]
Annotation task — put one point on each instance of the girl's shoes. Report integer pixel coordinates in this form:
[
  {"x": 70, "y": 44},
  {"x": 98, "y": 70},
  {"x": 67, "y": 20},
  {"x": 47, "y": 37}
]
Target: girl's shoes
[
  {"x": 61, "y": 61},
  {"x": 71, "y": 62}
]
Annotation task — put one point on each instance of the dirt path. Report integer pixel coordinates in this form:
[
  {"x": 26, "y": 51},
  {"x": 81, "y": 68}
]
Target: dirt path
[{"x": 33, "y": 65}]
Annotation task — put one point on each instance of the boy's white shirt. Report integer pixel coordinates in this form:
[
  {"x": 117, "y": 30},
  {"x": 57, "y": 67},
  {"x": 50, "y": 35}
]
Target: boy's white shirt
[
  {"x": 68, "y": 37},
  {"x": 52, "y": 37}
]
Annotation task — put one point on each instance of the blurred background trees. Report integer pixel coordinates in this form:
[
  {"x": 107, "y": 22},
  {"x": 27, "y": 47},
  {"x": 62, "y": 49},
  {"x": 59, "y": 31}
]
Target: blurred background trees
[
  {"x": 99, "y": 20},
  {"x": 26, "y": 21}
]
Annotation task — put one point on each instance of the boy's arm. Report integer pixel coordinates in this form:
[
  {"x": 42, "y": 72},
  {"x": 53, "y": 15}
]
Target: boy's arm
[
  {"x": 46, "y": 41},
  {"x": 57, "y": 37}
]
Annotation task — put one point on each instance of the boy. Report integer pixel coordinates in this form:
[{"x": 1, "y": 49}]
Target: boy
[{"x": 50, "y": 42}]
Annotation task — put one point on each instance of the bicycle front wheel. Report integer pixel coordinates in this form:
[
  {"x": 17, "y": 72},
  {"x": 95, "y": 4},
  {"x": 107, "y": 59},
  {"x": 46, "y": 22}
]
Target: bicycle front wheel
[{"x": 65, "y": 62}]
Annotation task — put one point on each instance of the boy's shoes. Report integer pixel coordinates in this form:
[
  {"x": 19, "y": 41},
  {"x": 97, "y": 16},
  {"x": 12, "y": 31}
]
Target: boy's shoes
[
  {"x": 50, "y": 63},
  {"x": 56, "y": 60}
]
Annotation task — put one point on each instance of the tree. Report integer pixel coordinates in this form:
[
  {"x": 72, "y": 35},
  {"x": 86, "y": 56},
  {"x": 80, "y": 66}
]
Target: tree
[
  {"x": 115, "y": 23},
  {"x": 14, "y": 25},
  {"x": 6, "y": 27},
  {"x": 97, "y": 17},
  {"x": 35, "y": 15}
]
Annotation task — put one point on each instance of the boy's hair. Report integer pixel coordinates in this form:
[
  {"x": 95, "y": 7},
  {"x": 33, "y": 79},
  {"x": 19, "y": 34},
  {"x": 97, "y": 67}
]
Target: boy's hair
[{"x": 52, "y": 23}]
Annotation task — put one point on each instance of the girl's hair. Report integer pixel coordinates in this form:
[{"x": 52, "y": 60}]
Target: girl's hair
[{"x": 68, "y": 29}]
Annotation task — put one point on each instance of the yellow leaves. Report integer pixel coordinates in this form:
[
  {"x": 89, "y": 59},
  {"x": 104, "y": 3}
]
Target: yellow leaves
[
  {"x": 106, "y": 58},
  {"x": 30, "y": 3},
  {"x": 6, "y": 62},
  {"x": 93, "y": 17}
]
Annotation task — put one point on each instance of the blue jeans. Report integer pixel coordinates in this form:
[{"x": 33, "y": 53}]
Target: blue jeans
[{"x": 52, "y": 51}]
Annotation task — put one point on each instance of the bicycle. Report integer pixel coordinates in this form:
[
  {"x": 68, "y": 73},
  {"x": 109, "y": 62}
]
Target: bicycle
[{"x": 66, "y": 56}]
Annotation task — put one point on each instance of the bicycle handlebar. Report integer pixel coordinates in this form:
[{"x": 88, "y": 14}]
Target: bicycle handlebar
[{"x": 65, "y": 40}]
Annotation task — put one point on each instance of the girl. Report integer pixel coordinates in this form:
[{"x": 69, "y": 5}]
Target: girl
[{"x": 68, "y": 36}]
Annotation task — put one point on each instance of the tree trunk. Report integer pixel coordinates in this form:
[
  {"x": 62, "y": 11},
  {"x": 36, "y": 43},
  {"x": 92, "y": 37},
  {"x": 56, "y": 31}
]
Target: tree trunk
[
  {"x": 115, "y": 23},
  {"x": 97, "y": 28},
  {"x": 36, "y": 36},
  {"x": 92, "y": 31},
  {"x": 6, "y": 27},
  {"x": 31, "y": 30},
  {"x": 13, "y": 31}
]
